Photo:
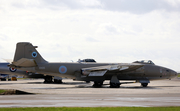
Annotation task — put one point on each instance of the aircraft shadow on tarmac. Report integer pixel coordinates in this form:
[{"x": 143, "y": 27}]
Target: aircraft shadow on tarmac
[
  {"x": 87, "y": 85},
  {"x": 80, "y": 86},
  {"x": 124, "y": 87},
  {"x": 73, "y": 83},
  {"x": 121, "y": 87},
  {"x": 21, "y": 83},
  {"x": 64, "y": 83},
  {"x": 69, "y": 83}
]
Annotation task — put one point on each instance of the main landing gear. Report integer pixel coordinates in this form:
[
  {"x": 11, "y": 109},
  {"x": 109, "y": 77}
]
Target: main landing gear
[
  {"x": 98, "y": 83},
  {"x": 59, "y": 81},
  {"x": 49, "y": 79},
  {"x": 114, "y": 85},
  {"x": 114, "y": 82}
]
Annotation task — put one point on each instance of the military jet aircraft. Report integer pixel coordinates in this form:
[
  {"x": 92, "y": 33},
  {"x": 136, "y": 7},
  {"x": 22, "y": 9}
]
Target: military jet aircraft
[
  {"x": 27, "y": 58},
  {"x": 4, "y": 69}
]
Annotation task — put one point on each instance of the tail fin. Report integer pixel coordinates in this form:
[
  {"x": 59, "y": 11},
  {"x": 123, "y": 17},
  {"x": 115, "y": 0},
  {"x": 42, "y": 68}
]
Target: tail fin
[{"x": 27, "y": 50}]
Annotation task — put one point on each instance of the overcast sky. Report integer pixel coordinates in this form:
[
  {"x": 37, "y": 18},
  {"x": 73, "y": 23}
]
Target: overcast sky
[{"x": 106, "y": 30}]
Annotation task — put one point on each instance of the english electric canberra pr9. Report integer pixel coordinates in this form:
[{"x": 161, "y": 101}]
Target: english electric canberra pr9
[{"x": 27, "y": 58}]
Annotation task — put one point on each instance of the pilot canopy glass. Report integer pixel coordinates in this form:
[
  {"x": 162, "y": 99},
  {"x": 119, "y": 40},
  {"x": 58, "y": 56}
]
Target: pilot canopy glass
[
  {"x": 87, "y": 60},
  {"x": 145, "y": 62}
]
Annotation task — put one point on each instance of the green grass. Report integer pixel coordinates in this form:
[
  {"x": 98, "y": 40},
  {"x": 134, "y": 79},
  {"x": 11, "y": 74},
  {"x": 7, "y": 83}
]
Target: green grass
[
  {"x": 94, "y": 109},
  {"x": 21, "y": 78},
  {"x": 178, "y": 75},
  {"x": 1, "y": 90}
]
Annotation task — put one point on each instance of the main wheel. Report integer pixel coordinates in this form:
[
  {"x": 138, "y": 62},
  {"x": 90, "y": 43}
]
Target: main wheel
[
  {"x": 114, "y": 85},
  {"x": 144, "y": 84},
  {"x": 87, "y": 81},
  {"x": 58, "y": 81},
  {"x": 48, "y": 79},
  {"x": 98, "y": 83}
]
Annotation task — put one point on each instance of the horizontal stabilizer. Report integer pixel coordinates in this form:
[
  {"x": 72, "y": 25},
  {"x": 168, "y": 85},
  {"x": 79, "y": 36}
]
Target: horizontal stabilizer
[
  {"x": 8, "y": 60},
  {"x": 25, "y": 63}
]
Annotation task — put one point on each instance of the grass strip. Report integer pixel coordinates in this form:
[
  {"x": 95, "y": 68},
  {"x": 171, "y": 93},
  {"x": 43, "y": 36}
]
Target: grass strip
[
  {"x": 178, "y": 75},
  {"x": 2, "y": 91},
  {"x": 93, "y": 109}
]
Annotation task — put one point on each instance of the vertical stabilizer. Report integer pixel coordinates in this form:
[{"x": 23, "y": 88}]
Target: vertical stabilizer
[{"x": 28, "y": 51}]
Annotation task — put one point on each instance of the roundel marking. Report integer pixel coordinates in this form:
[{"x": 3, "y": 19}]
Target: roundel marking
[
  {"x": 12, "y": 69},
  {"x": 62, "y": 69},
  {"x": 34, "y": 54}
]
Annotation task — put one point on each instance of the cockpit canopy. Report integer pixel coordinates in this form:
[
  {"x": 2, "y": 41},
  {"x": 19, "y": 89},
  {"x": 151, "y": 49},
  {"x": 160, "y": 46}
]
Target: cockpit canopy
[
  {"x": 144, "y": 62},
  {"x": 87, "y": 60}
]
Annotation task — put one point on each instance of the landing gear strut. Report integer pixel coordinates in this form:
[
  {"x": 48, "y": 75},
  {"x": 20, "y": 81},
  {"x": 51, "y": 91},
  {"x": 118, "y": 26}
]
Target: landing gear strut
[{"x": 144, "y": 84}]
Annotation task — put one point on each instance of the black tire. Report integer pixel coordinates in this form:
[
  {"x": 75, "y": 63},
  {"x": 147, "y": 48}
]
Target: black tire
[
  {"x": 3, "y": 79},
  {"x": 48, "y": 79},
  {"x": 58, "y": 81},
  {"x": 97, "y": 84},
  {"x": 87, "y": 81},
  {"x": 114, "y": 85},
  {"x": 144, "y": 84}
]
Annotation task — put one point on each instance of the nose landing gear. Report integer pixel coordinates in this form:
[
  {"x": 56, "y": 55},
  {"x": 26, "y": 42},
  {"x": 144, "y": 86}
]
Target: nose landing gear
[{"x": 144, "y": 84}]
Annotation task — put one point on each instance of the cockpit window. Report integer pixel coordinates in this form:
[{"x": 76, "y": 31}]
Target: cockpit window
[
  {"x": 87, "y": 60},
  {"x": 144, "y": 61}
]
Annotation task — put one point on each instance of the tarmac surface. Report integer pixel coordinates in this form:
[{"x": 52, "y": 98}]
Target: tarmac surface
[{"x": 80, "y": 94}]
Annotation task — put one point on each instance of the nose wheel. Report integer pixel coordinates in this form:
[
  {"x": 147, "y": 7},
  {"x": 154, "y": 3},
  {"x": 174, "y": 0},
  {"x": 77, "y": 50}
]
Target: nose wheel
[{"x": 144, "y": 84}]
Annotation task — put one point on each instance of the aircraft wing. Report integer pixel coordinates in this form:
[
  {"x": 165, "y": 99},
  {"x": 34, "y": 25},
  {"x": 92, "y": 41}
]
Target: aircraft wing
[
  {"x": 101, "y": 70},
  {"x": 23, "y": 62}
]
